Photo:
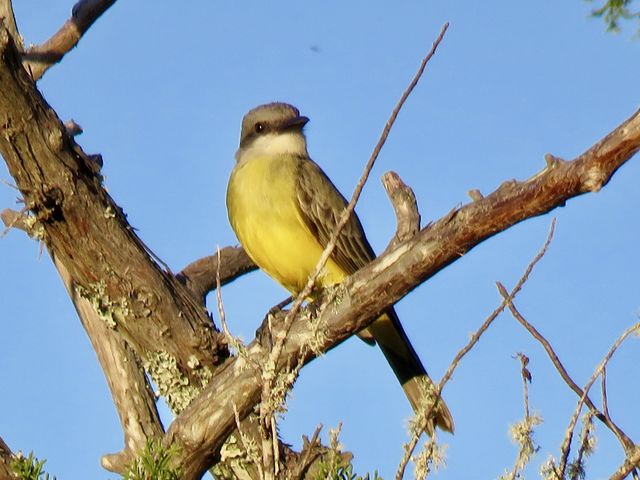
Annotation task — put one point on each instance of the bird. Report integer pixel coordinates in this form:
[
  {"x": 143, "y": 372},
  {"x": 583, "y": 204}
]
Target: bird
[{"x": 283, "y": 209}]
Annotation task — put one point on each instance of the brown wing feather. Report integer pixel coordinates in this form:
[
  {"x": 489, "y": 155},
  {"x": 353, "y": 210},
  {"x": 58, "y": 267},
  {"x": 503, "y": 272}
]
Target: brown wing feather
[{"x": 321, "y": 205}]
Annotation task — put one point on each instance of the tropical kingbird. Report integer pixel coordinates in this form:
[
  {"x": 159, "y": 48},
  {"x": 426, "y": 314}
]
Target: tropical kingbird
[{"x": 283, "y": 209}]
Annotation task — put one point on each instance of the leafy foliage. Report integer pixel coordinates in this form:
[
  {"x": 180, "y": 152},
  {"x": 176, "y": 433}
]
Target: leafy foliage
[
  {"x": 154, "y": 463},
  {"x": 30, "y": 468},
  {"x": 613, "y": 11}
]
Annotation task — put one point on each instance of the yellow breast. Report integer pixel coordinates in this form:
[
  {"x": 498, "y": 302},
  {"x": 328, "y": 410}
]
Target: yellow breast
[{"x": 262, "y": 207}]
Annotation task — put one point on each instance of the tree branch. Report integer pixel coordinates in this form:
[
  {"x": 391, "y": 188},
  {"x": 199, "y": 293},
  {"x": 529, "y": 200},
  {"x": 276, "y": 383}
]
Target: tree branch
[
  {"x": 200, "y": 276},
  {"x": 88, "y": 234},
  {"x": 626, "y": 442},
  {"x": 132, "y": 395},
  {"x": 6, "y": 459},
  {"x": 6, "y": 14},
  {"x": 39, "y": 58}
]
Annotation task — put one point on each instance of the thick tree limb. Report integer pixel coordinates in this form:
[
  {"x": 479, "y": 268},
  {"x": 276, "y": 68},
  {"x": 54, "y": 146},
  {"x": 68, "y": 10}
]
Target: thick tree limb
[
  {"x": 364, "y": 295},
  {"x": 7, "y": 15},
  {"x": 39, "y": 58},
  {"x": 88, "y": 234},
  {"x": 132, "y": 395}
]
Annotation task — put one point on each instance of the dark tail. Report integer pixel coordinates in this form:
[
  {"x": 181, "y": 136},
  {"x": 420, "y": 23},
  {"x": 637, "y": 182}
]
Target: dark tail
[{"x": 406, "y": 364}]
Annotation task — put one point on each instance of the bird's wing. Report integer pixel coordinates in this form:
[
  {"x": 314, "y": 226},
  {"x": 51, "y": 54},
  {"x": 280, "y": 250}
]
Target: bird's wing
[{"x": 321, "y": 205}]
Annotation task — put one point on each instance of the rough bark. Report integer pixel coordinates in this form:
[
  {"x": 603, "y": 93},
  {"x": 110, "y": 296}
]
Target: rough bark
[
  {"x": 5, "y": 462},
  {"x": 90, "y": 237}
]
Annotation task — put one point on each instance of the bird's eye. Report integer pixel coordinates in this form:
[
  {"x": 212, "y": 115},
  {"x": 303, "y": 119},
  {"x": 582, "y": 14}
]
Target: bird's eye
[{"x": 259, "y": 127}]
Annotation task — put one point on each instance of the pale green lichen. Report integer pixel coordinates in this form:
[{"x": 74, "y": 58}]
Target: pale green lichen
[
  {"x": 238, "y": 459},
  {"x": 109, "y": 310},
  {"x": 172, "y": 384},
  {"x": 34, "y": 227},
  {"x": 109, "y": 213},
  {"x": 430, "y": 458}
]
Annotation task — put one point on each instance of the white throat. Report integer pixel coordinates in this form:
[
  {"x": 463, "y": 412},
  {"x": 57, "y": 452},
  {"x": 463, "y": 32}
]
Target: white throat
[{"x": 273, "y": 144}]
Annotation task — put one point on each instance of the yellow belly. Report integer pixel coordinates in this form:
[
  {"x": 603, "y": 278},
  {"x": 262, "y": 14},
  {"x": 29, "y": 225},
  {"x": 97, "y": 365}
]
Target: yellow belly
[{"x": 262, "y": 205}]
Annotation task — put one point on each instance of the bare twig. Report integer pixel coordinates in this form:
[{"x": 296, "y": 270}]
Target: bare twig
[
  {"x": 522, "y": 432},
  {"x": 73, "y": 128},
  {"x": 626, "y": 442},
  {"x": 268, "y": 372},
  {"x": 405, "y": 207},
  {"x": 413, "y": 442},
  {"x": 38, "y": 59},
  {"x": 526, "y": 379},
  {"x": 310, "y": 452},
  {"x": 566, "y": 445},
  {"x": 363, "y": 179},
  {"x": 13, "y": 219}
]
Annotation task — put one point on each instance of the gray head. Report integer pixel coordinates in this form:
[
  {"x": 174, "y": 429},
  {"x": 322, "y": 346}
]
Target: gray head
[{"x": 270, "y": 119}]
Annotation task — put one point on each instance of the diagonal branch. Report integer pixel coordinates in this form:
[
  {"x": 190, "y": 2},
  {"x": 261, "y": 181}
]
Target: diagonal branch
[
  {"x": 132, "y": 395},
  {"x": 39, "y": 58},
  {"x": 626, "y": 442},
  {"x": 89, "y": 235},
  {"x": 7, "y": 15}
]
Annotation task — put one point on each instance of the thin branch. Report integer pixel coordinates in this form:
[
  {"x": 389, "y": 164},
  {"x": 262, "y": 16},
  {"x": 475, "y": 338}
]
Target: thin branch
[
  {"x": 574, "y": 419},
  {"x": 268, "y": 372},
  {"x": 200, "y": 276},
  {"x": 39, "y": 58},
  {"x": 626, "y": 442},
  {"x": 413, "y": 442},
  {"x": 132, "y": 394},
  {"x": 363, "y": 179},
  {"x": 311, "y": 450}
]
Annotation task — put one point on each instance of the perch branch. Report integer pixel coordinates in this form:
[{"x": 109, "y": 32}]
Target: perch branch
[{"x": 39, "y": 58}]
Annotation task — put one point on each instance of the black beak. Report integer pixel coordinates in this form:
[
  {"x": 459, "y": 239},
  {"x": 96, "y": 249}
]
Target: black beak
[{"x": 294, "y": 123}]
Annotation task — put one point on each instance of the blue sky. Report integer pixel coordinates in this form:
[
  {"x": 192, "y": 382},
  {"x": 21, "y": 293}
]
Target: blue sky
[{"x": 160, "y": 91}]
